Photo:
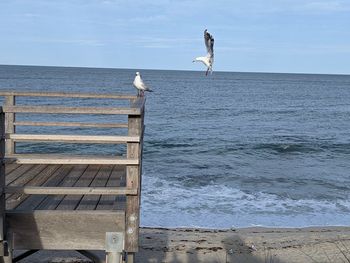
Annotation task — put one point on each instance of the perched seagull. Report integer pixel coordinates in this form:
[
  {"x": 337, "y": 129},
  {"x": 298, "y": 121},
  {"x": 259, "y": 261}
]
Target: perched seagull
[
  {"x": 209, "y": 59},
  {"x": 140, "y": 85}
]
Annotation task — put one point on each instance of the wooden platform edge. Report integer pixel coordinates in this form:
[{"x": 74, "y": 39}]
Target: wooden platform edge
[{"x": 73, "y": 230}]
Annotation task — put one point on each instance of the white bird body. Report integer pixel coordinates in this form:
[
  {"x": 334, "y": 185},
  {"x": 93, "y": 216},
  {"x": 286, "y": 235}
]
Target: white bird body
[
  {"x": 140, "y": 85},
  {"x": 208, "y": 60}
]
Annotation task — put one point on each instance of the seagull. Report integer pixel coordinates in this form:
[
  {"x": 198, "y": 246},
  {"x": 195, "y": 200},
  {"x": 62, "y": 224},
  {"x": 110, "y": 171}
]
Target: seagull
[
  {"x": 140, "y": 85},
  {"x": 208, "y": 60}
]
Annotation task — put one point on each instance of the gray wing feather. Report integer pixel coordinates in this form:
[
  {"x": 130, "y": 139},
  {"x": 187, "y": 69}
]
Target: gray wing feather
[{"x": 209, "y": 42}]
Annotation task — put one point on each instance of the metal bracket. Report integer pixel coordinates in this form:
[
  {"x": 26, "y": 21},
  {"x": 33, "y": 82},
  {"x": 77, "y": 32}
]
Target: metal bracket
[
  {"x": 4, "y": 248},
  {"x": 125, "y": 256},
  {"x": 114, "y": 241}
]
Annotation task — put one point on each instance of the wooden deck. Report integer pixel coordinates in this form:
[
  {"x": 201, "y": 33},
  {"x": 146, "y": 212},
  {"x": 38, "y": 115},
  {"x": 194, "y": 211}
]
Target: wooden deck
[
  {"x": 70, "y": 176},
  {"x": 68, "y": 201}
]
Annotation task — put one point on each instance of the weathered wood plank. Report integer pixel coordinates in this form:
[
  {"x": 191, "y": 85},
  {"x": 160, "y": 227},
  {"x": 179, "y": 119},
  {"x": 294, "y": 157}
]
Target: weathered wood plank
[
  {"x": 72, "y": 138},
  {"x": 117, "y": 179},
  {"x": 9, "y": 127},
  {"x": 51, "y": 202},
  {"x": 120, "y": 201},
  {"x": 28, "y": 175},
  {"x": 71, "y": 230},
  {"x": 139, "y": 102},
  {"x": 44, "y": 190},
  {"x": 67, "y": 95},
  {"x": 25, "y": 177},
  {"x": 70, "y": 202},
  {"x": 33, "y": 201},
  {"x": 30, "y": 180},
  {"x": 71, "y": 124},
  {"x": 19, "y": 171},
  {"x": 2, "y": 181},
  {"x": 72, "y": 110},
  {"x": 90, "y": 202},
  {"x": 133, "y": 181},
  {"x": 68, "y": 159},
  {"x": 11, "y": 167}
]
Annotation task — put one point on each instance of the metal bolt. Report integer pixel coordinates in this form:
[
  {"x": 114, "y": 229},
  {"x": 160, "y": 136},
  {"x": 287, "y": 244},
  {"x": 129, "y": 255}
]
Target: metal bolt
[
  {"x": 132, "y": 218},
  {"x": 130, "y": 230}
]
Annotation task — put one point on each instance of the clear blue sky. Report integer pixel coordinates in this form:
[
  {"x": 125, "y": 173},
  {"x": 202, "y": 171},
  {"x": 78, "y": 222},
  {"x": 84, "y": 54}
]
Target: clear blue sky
[{"x": 308, "y": 36}]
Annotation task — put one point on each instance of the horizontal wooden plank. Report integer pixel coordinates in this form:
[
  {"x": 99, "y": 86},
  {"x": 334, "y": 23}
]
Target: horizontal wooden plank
[
  {"x": 71, "y": 110},
  {"x": 68, "y": 159},
  {"x": 71, "y": 124},
  {"x": 39, "y": 190},
  {"x": 67, "y": 95},
  {"x": 72, "y": 138},
  {"x": 73, "y": 230}
]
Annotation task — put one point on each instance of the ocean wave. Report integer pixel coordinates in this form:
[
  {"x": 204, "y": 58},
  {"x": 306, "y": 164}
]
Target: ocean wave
[
  {"x": 289, "y": 147},
  {"x": 226, "y": 199},
  {"x": 223, "y": 147},
  {"x": 203, "y": 205},
  {"x": 167, "y": 144},
  {"x": 343, "y": 148}
]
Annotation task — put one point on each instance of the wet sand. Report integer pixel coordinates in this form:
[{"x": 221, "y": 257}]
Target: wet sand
[{"x": 258, "y": 245}]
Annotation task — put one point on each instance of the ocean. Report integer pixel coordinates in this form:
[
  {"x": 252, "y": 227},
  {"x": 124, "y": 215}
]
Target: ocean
[{"x": 228, "y": 150}]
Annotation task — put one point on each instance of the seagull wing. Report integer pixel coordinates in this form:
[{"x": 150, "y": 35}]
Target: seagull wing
[
  {"x": 142, "y": 84},
  {"x": 209, "y": 43}
]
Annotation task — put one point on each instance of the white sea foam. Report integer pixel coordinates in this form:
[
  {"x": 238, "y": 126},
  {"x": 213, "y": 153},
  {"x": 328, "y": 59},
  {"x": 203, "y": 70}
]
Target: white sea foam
[{"x": 171, "y": 204}]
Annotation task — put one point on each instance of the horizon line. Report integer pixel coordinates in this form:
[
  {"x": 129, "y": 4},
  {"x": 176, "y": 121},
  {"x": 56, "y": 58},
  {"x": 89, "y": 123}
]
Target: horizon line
[{"x": 219, "y": 71}]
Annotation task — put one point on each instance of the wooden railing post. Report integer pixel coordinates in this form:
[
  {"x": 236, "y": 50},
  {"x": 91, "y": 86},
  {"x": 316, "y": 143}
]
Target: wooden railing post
[
  {"x": 133, "y": 175},
  {"x": 9, "y": 124},
  {"x": 2, "y": 176},
  {"x": 5, "y": 240}
]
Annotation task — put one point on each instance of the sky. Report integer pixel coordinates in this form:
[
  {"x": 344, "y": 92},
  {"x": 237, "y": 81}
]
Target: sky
[{"x": 293, "y": 36}]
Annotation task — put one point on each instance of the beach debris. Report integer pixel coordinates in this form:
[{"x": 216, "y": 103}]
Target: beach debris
[
  {"x": 208, "y": 60},
  {"x": 252, "y": 247},
  {"x": 140, "y": 85}
]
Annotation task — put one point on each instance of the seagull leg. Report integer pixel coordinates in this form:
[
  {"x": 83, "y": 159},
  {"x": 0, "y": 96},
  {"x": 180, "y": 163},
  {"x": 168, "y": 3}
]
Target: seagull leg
[{"x": 206, "y": 73}]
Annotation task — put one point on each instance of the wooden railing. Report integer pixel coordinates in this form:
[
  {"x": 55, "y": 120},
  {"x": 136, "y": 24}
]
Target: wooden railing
[{"x": 132, "y": 159}]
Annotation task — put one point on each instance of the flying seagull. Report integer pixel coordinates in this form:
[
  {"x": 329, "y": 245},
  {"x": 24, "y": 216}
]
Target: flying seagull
[
  {"x": 140, "y": 85},
  {"x": 208, "y": 60}
]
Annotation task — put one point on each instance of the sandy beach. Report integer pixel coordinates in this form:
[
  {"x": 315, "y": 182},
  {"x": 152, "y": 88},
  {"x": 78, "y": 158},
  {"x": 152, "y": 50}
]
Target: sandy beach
[{"x": 258, "y": 245}]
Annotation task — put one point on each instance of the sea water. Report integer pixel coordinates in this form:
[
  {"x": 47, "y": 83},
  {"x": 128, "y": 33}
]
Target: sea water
[{"x": 227, "y": 150}]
